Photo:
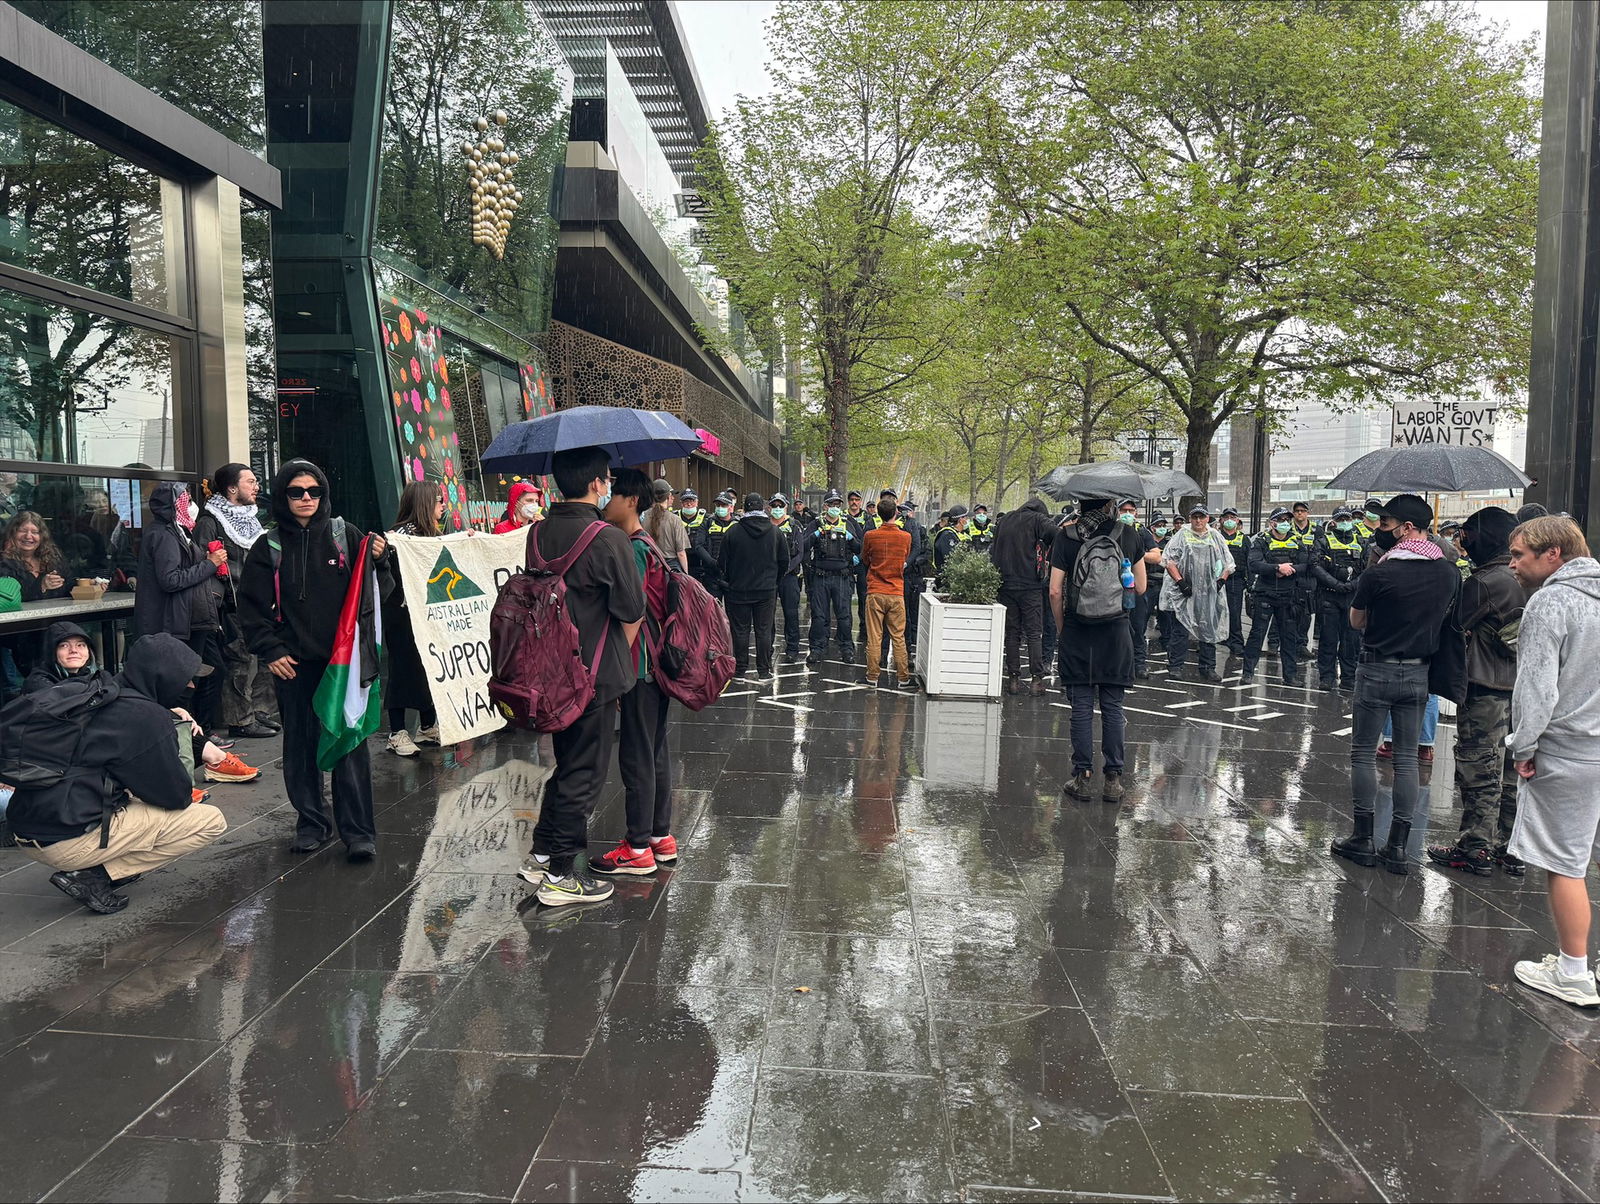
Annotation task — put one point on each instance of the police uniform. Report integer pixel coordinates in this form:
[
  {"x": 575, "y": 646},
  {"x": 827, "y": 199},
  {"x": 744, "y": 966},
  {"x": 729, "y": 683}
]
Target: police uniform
[
  {"x": 789, "y": 583},
  {"x": 1239, "y": 548},
  {"x": 716, "y": 530},
  {"x": 1336, "y": 561},
  {"x": 1308, "y": 605},
  {"x": 1276, "y": 599},
  {"x": 858, "y": 524},
  {"x": 917, "y": 571},
  {"x": 1158, "y": 581},
  {"x": 949, "y": 539},
  {"x": 980, "y": 537},
  {"x": 702, "y": 569},
  {"x": 832, "y": 555}
]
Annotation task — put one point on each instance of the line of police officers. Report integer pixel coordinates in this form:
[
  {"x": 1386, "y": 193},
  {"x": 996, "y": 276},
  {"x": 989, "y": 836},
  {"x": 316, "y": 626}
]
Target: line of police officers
[
  {"x": 1294, "y": 571},
  {"x": 824, "y": 562}
]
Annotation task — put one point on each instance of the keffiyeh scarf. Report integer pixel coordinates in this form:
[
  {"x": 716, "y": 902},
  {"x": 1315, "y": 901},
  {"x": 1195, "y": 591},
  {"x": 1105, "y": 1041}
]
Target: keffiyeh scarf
[{"x": 242, "y": 523}]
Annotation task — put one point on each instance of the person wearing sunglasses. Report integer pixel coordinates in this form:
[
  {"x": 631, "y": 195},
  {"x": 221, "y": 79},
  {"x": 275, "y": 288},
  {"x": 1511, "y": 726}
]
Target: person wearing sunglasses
[{"x": 293, "y": 588}]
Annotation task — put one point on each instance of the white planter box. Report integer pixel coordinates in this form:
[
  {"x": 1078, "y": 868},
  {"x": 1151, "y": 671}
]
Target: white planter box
[{"x": 960, "y": 649}]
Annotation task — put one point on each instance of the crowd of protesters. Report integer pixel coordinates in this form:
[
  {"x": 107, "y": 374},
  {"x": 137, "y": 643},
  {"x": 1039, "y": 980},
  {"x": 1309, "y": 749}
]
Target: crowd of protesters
[{"x": 235, "y": 627}]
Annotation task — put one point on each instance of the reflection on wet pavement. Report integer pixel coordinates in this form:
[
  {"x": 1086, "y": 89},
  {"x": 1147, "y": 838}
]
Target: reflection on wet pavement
[{"x": 894, "y": 963}]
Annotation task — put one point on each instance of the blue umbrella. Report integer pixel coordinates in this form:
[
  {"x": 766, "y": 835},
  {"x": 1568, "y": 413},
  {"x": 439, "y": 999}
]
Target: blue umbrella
[{"x": 629, "y": 437}]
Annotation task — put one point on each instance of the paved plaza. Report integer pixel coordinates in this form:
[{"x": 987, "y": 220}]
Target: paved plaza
[{"x": 894, "y": 962}]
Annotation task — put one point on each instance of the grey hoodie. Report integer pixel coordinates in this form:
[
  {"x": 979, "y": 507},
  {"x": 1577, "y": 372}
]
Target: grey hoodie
[{"x": 1556, "y": 707}]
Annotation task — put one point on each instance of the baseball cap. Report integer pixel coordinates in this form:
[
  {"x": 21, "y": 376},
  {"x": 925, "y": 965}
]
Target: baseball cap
[
  {"x": 958, "y": 511},
  {"x": 833, "y": 496},
  {"x": 1404, "y": 507},
  {"x": 778, "y": 499},
  {"x": 883, "y": 493},
  {"x": 1198, "y": 509},
  {"x": 854, "y": 495},
  {"x": 1229, "y": 512},
  {"x": 689, "y": 495},
  {"x": 1344, "y": 512},
  {"x": 1127, "y": 501},
  {"x": 1281, "y": 512},
  {"x": 1302, "y": 506},
  {"x": 663, "y": 487},
  {"x": 753, "y": 502}
]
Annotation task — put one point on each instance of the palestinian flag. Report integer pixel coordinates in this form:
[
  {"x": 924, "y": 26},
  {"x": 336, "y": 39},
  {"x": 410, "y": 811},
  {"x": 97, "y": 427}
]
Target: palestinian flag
[{"x": 348, "y": 703}]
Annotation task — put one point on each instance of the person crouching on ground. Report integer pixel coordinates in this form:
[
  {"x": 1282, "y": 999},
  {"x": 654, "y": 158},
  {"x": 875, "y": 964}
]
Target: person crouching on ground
[
  {"x": 85, "y": 826},
  {"x": 1555, "y": 741},
  {"x": 68, "y": 655},
  {"x": 643, "y": 756},
  {"x": 294, "y": 587}
]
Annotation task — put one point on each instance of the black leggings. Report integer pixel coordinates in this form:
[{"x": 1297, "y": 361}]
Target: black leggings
[{"x": 426, "y": 717}]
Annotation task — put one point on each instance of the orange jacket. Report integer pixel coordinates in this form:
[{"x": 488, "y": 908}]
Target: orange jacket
[{"x": 884, "y": 549}]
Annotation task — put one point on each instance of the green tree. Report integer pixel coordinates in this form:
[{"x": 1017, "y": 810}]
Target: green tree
[
  {"x": 1334, "y": 199},
  {"x": 824, "y": 205}
]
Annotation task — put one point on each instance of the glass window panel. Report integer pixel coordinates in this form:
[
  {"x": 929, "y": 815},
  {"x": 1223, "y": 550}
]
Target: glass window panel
[
  {"x": 74, "y": 211},
  {"x": 82, "y": 388},
  {"x": 95, "y": 523},
  {"x": 202, "y": 55}
]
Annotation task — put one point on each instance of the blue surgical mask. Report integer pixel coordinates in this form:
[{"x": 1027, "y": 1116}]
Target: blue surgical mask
[
  {"x": 778, "y": 511},
  {"x": 1130, "y": 518},
  {"x": 1230, "y": 524},
  {"x": 1161, "y": 530},
  {"x": 834, "y": 512},
  {"x": 722, "y": 512},
  {"x": 1343, "y": 526},
  {"x": 1281, "y": 528},
  {"x": 981, "y": 520},
  {"x": 691, "y": 511}
]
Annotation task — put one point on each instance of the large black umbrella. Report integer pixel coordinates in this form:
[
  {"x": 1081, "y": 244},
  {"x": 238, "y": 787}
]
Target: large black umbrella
[
  {"x": 629, "y": 437},
  {"x": 1430, "y": 468},
  {"x": 1114, "y": 479}
]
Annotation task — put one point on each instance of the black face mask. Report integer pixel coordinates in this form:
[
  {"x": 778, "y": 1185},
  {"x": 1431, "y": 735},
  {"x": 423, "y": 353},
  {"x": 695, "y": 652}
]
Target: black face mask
[{"x": 1386, "y": 539}]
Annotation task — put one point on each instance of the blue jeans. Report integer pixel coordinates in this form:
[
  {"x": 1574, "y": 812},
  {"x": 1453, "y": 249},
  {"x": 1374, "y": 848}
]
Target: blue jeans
[
  {"x": 1430, "y": 723},
  {"x": 1386, "y": 692},
  {"x": 1113, "y": 727}
]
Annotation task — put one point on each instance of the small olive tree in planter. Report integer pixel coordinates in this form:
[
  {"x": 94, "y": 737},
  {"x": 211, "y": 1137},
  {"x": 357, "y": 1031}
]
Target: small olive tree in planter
[{"x": 961, "y": 630}]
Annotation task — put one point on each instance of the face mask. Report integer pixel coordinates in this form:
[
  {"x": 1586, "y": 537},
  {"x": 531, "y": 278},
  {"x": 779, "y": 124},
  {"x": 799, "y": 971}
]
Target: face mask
[
  {"x": 1162, "y": 530},
  {"x": 1130, "y": 518},
  {"x": 982, "y": 520},
  {"x": 1230, "y": 524},
  {"x": 1343, "y": 527},
  {"x": 1281, "y": 528},
  {"x": 778, "y": 511},
  {"x": 691, "y": 511},
  {"x": 1386, "y": 539},
  {"x": 834, "y": 512},
  {"x": 722, "y": 512},
  {"x": 605, "y": 498},
  {"x": 1372, "y": 521}
]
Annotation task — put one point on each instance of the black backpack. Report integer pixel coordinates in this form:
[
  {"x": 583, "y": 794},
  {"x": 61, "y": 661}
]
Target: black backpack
[{"x": 41, "y": 733}]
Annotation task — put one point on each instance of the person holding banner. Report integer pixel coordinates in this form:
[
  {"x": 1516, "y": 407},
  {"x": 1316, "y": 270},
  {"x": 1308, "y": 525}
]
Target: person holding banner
[
  {"x": 308, "y": 604},
  {"x": 421, "y": 509}
]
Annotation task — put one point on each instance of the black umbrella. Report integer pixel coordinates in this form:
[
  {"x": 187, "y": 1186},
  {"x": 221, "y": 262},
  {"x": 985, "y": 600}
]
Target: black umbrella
[
  {"x": 1114, "y": 479},
  {"x": 1430, "y": 468}
]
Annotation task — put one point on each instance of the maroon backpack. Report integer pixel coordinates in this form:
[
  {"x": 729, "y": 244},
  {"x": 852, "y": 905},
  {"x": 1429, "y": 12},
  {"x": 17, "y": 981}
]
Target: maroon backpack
[
  {"x": 690, "y": 642},
  {"x": 537, "y": 678}
]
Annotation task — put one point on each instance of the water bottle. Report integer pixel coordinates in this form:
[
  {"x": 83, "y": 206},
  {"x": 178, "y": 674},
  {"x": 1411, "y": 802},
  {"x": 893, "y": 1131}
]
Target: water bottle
[{"x": 1127, "y": 586}]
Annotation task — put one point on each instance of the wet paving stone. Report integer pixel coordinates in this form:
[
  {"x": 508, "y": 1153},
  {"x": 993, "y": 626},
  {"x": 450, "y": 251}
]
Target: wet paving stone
[{"x": 893, "y": 962}]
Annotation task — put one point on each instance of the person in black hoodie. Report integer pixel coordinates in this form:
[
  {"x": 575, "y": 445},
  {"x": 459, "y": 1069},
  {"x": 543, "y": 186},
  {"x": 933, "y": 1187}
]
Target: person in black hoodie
[
  {"x": 1022, "y": 545},
  {"x": 755, "y": 557},
  {"x": 57, "y": 666},
  {"x": 180, "y": 593},
  {"x": 294, "y": 586},
  {"x": 85, "y": 826}
]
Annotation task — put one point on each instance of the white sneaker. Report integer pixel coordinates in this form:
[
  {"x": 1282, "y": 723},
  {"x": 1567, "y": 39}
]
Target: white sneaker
[
  {"x": 428, "y": 736},
  {"x": 401, "y": 745},
  {"x": 1546, "y": 976},
  {"x": 532, "y": 869}
]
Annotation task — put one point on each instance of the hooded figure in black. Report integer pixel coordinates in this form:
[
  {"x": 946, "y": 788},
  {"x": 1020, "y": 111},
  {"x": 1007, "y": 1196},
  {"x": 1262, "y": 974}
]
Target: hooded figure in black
[
  {"x": 50, "y": 670},
  {"x": 86, "y": 825},
  {"x": 179, "y": 592},
  {"x": 290, "y": 595}
]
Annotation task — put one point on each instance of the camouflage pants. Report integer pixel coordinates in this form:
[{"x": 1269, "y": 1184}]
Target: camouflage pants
[{"x": 1484, "y": 772}]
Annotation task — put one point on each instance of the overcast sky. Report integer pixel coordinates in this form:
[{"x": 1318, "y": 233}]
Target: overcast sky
[{"x": 729, "y": 52}]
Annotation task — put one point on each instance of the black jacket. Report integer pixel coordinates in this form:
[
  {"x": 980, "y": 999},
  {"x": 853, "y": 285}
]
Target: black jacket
[
  {"x": 294, "y": 611},
  {"x": 178, "y": 588},
  {"x": 130, "y": 740},
  {"x": 1022, "y": 544},
  {"x": 755, "y": 554},
  {"x": 48, "y": 673},
  {"x": 1490, "y": 598}
]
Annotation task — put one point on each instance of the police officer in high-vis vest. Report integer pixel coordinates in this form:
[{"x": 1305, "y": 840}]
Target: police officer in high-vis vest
[
  {"x": 1277, "y": 560},
  {"x": 981, "y": 533},
  {"x": 832, "y": 555},
  {"x": 695, "y": 521},
  {"x": 1336, "y": 561},
  {"x": 1307, "y": 532},
  {"x": 855, "y": 514},
  {"x": 720, "y": 521},
  {"x": 789, "y": 583},
  {"x": 952, "y": 536},
  {"x": 1232, "y": 528}
]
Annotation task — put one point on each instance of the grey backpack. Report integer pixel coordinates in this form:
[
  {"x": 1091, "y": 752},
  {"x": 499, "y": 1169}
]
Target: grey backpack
[{"x": 1096, "y": 593}]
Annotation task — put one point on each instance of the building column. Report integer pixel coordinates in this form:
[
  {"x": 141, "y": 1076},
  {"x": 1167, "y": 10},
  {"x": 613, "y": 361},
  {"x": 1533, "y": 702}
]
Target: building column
[
  {"x": 1561, "y": 452},
  {"x": 216, "y": 257}
]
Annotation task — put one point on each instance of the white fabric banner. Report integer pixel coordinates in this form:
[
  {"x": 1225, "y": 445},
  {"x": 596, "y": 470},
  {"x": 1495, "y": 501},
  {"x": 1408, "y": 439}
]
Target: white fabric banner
[{"x": 450, "y": 585}]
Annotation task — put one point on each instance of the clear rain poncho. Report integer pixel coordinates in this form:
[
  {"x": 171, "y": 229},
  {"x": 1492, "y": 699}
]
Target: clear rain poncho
[{"x": 1201, "y": 559}]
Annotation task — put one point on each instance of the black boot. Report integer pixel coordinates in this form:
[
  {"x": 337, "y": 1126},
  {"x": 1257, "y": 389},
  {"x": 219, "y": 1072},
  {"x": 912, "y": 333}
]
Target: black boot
[
  {"x": 91, "y": 887},
  {"x": 1393, "y": 854},
  {"x": 1358, "y": 846}
]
